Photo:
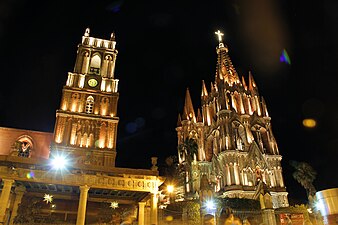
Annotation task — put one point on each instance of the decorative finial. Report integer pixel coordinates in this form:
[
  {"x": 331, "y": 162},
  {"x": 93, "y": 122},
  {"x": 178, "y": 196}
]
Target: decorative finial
[
  {"x": 112, "y": 36},
  {"x": 86, "y": 34},
  {"x": 154, "y": 162},
  {"x": 219, "y": 34}
]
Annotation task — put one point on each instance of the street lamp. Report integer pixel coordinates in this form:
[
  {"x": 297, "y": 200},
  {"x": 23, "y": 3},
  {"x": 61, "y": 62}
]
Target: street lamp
[
  {"x": 210, "y": 206},
  {"x": 170, "y": 188},
  {"x": 170, "y": 191}
]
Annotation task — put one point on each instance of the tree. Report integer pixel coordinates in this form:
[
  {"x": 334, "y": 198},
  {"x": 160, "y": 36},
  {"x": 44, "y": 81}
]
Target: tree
[
  {"x": 189, "y": 148},
  {"x": 305, "y": 175}
]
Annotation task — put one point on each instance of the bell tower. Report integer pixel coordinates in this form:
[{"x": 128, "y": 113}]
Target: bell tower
[{"x": 86, "y": 123}]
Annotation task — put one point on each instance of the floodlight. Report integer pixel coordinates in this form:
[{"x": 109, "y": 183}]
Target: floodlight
[
  {"x": 210, "y": 204},
  {"x": 320, "y": 206},
  {"x": 59, "y": 162}
]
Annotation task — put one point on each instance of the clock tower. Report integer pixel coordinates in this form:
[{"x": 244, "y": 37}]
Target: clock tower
[{"x": 86, "y": 123}]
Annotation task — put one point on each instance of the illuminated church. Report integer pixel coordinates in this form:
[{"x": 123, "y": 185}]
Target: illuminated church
[
  {"x": 227, "y": 148},
  {"x": 69, "y": 176}
]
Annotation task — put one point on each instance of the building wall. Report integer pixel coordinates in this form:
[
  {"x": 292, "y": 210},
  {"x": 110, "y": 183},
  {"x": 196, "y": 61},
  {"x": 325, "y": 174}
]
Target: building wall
[{"x": 40, "y": 141}]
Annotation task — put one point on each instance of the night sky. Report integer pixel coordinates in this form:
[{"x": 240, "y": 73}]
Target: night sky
[{"x": 165, "y": 47}]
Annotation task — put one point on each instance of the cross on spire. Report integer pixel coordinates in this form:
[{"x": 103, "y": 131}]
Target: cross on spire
[{"x": 219, "y": 34}]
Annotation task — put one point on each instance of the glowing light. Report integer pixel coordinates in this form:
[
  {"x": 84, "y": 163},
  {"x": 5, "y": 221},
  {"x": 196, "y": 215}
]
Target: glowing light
[
  {"x": 108, "y": 88},
  {"x": 103, "y": 111},
  {"x": 73, "y": 107},
  {"x": 53, "y": 206},
  {"x": 59, "y": 162},
  {"x": 170, "y": 188},
  {"x": 285, "y": 57},
  {"x": 101, "y": 143},
  {"x": 103, "y": 84},
  {"x": 309, "y": 123},
  {"x": 58, "y": 138},
  {"x": 48, "y": 198},
  {"x": 210, "y": 204},
  {"x": 114, "y": 205}
]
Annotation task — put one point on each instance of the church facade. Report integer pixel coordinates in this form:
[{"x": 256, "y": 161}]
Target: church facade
[
  {"x": 69, "y": 176},
  {"x": 226, "y": 148}
]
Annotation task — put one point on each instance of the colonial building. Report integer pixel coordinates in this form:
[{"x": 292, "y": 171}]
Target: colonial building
[
  {"x": 228, "y": 147},
  {"x": 69, "y": 176}
]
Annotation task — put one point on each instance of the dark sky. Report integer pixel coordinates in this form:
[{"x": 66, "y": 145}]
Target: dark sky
[{"x": 165, "y": 47}]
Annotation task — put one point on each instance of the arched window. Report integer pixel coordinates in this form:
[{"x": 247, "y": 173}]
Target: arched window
[
  {"x": 89, "y": 104},
  {"x": 24, "y": 145},
  {"x": 95, "y": 64}
]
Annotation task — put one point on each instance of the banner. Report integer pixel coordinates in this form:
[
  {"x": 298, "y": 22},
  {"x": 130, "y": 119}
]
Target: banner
[{"x": 294, "y": 219}]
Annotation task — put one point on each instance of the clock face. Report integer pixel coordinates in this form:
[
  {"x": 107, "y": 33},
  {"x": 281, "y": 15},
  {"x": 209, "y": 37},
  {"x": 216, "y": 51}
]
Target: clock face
[{"x": 92, "y": 82}]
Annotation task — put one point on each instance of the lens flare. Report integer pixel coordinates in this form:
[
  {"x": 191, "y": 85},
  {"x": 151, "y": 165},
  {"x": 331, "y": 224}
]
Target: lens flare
[
  {"x": 30, "y": 175},
  {"x": 285, "y": 57},
  {"x": 309, "y": 123}
]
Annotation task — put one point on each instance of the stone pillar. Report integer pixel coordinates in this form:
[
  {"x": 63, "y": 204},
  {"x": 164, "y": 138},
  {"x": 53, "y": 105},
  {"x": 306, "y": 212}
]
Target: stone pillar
[
  {"x": 147, "y": 215},
  {"x": 153, "y": 209},
  {"x": 141, "y": 213},
  {"x": 81, "y": 212},
  {"x": 269, "y": 216},
  {"x": 19, "y": 192},
  {"x": 6, "y": 190}
]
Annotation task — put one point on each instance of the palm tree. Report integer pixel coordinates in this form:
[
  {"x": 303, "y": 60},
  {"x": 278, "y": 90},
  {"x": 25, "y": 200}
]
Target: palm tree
[
  {"x": 189, "y": 148},
  {"x": 305, "y": 175}
]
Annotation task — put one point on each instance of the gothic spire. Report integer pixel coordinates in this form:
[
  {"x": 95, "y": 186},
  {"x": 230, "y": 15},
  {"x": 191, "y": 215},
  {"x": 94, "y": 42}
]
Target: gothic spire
[
  {"x": 224, "y": 69},
  {"x": 252, "y": 84},
  {"x": 179, "y": 121},
  {"x": 244, "y": 84},
  {"x": 188, "y": 107},
  {"x": 265, "y": 109},
  {"x": 199, "y": 116},
  {"x": 204, "y": 90}
]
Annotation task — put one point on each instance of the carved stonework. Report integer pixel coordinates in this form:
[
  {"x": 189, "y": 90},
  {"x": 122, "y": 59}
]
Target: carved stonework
[{"x": 127, "y": 182}]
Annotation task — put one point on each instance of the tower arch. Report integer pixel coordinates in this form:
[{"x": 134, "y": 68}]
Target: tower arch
[
  {"x": 95, "y": 64},
  {"x": 89, "y": 104}
]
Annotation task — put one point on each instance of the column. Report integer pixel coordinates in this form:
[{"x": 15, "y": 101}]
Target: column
[
  {"x": 236, "y": 173},
  {"x": 228, "y": 175},
  {"x": 269, "y": 216},
  {"x": 19, "y": 192},
  {"x": 153, "y": 209},
  {"x": 81, "y": 212},
  {"x": 6, "y": 190},
  {"x": 141, "y": 213},
  {"x": 281, "y": 181}
]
